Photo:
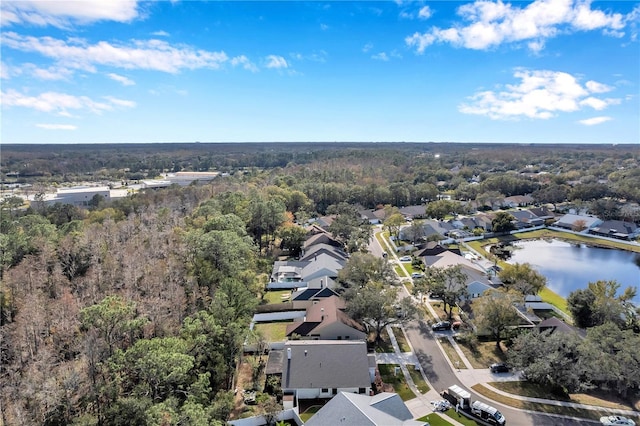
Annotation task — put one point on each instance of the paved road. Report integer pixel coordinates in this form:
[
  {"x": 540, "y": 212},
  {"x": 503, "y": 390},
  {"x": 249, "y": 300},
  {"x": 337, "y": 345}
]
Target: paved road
[{"x": 440, "y": 374}]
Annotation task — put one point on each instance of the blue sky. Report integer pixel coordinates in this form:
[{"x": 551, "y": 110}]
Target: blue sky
[{"x": 105, "y": 71}]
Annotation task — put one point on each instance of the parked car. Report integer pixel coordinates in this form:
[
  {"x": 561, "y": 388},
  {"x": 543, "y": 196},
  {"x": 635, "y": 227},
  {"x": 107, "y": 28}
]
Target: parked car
[
  {"x": 416, "y": 275},
  {"x": 499, "y": 367},
  {"x": 616, "y": 420},
  {"x": 442, "y": 325},
  {"x": 405, "y": 259}
]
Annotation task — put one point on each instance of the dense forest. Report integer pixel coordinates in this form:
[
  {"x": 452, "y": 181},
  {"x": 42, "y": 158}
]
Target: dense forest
[{"x": 135, "y": 311}]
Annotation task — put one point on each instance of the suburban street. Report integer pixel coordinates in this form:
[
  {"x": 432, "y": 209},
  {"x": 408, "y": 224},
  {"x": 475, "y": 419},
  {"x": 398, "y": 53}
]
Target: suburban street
[{"x": 440, "y": 374}]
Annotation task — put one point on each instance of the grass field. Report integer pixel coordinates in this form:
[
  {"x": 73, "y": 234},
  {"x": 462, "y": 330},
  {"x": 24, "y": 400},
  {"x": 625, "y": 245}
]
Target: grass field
[
  {"x": 533, "y": 390},
  {"x": 275, "y": 296},
  {"x": 402, "y": 339},
  {"x": 397, "y": 381},
  {"x": 273, "y": 331},
  {"x": 544, "y": 408},
  {"x": 434, "y": 420},
  {"x": 451, "y": 353},
  {"x": 485, "y": 354},
  {"x": 417, "y": 378}
]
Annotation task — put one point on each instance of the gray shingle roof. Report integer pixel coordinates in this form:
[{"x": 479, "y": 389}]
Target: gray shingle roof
[
  {"x": 384, "y": 409},
  {"x": 325, "y": 364}
]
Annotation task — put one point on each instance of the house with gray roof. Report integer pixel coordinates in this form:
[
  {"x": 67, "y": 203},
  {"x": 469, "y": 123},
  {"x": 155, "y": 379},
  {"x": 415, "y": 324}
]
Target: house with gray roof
[
  {"x": 321, "y": 238},
  {"x": 326, "y": 320},
  {"x": 323, "y": 368},
  {"x": 383, "y": 409},
  {"x": 316, "y": 249},
  {"x": 305, "y": 297},
  {"x": 570, "y": 221},
  {"x": 526, "y": 219},
  {"x": 618, "y": 229},
  {"x": 414, "y": 212}
]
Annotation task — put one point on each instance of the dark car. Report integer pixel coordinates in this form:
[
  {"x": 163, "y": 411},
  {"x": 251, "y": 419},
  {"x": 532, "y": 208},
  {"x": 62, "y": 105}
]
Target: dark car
[
  {"x": 442, "y": 325},
  {"x": 499, "y": 367}
]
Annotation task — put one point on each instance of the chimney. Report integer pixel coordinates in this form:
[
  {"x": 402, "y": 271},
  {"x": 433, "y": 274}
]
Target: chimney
[
  {"x": 289, "y": 353},
  {"x": 322, "y": 311}
]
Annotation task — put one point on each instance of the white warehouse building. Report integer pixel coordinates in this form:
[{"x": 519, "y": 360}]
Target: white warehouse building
[{"x": 78, "y": 196}]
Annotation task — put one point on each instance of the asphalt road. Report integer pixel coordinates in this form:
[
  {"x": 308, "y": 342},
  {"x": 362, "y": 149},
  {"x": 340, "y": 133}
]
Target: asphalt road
[{"x": 440, "y": 374}]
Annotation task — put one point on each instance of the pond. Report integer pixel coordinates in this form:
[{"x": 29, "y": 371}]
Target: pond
[{"x": 571, "y": 266}]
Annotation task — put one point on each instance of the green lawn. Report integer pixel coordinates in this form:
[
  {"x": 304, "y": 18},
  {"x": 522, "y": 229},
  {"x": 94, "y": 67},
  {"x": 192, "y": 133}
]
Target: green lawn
[
  {"x": 451, "y": 353},
  {"x": 397, "y": 381},
  {"x": 272, "y": 331},
  {"x": 534, "y": 406},
  {"x": 402, "y": 339},
  {"x": 418, "y": 379},
  {"x": 400, "y": 271},
  {"x": 451, "y": 412},
  {"x": 434, "y": 420},
  {"x": 275, "y": 296},
  {"x": 309, "y": 412}
]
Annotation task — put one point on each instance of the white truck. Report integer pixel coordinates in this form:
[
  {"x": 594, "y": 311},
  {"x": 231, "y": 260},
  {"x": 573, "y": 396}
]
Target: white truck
[
  {"x": 487, "y": 413},
  {"x": 458, "y": 397},
  {"x": 483, "y": 413}
]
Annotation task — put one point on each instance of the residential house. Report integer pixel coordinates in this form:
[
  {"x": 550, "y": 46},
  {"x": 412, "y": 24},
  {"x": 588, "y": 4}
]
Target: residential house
[
  {"x": 287, "y": 271},
  {"x": 572, "y": 222},
  {"x": 325, "y": 221},
  {"x": 322, "y": 266},
  {"x": 556, "y": 325},
  {"x": 307, "y": 296},
  {"x": 321, "y": 238},
  {"x": 448, "y": 259},
  {"x": 323, "y": 368},
  {"x": 414, "y": 212},
  {"x": 314, "y": 229},
  {"x": 374, "y": 217},
  {"x": 517, "y": 201},
  {"x": 526, "y": 219},
  {"x": 323, "y": 248},
  {"x": 618, "y": 229},
  {"x": 383, "y": 409},
  {"x": 433, "y": 248},
  {"x": 326, "y": 320},
  {"x": 543, "y": 213}
]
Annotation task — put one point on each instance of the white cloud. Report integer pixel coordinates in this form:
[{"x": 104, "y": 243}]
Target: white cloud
[
  {"x": 324, "y": 27},
  {"x": 125, "y": 81},
  {"x": 487, "y": 24},
  {"x": 156, "y": 55},
  {"x": 425, "y": 12},
  {"x": 120, "y": 102},
  {"x": 244, "y": 62},
  {"x": 595, "y": 87},
  {"x": 160, "y": 33},
  {"x": 65, "y": 13},
  {"x": 367, "y": 47},
  {"x": 60, "y": 103},
  {"x": 275, "y": 61},
  {"x": 540, "y": 94},
  {"x": 595, "y": 120},
  {"x": 382, "y": 56},
  {"x": 57, "y": 126}
]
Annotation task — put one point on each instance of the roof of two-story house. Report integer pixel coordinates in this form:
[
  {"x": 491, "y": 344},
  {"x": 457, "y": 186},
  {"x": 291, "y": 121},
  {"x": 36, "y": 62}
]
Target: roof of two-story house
[{"x": 326, "y": 320}]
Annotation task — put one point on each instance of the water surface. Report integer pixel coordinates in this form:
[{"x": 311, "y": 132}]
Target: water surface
[{"x": 570, "y": 266}]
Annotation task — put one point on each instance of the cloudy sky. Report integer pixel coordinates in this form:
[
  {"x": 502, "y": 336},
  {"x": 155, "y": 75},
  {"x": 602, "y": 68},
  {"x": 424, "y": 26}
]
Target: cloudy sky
[{"x": 561, "y": 71}]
